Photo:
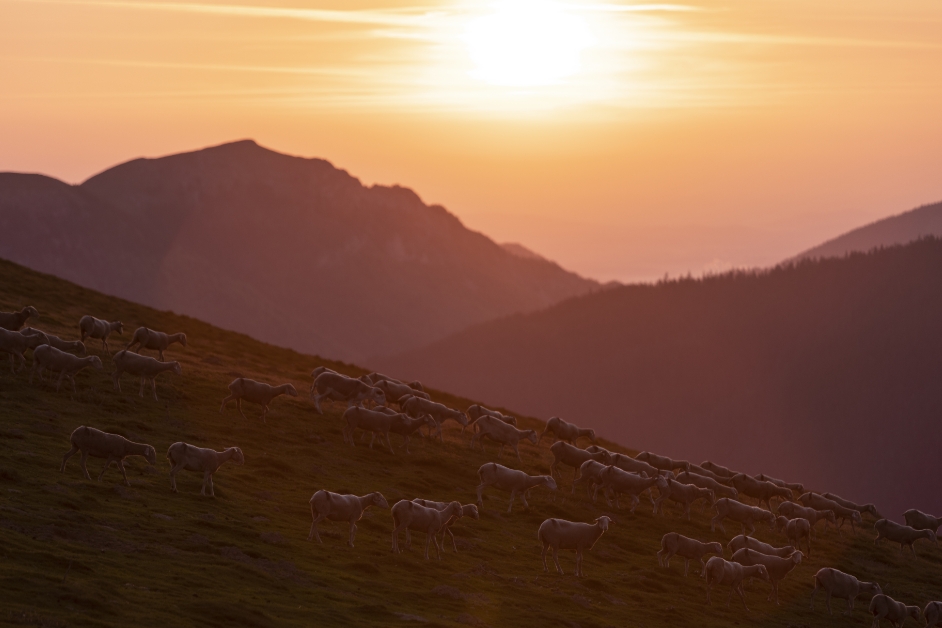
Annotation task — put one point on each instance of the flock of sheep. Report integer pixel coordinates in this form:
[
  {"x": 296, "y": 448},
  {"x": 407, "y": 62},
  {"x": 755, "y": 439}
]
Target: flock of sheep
[{"x": 662, "y": 479}]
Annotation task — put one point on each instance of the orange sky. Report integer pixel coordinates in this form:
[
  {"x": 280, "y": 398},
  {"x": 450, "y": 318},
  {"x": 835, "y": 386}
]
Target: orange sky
[{"x": 623, "y": 140}]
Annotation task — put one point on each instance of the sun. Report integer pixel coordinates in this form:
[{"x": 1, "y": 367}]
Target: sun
[{"x": 525, "y": 43}]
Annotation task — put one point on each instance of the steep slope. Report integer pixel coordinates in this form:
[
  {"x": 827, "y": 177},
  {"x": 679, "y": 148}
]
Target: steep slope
[
  {"x": 900, "y": 229},
  {"x": 83, "y": 553},
  {"x": 291, "y": 250},
  {"x": 825, "y": 371}
]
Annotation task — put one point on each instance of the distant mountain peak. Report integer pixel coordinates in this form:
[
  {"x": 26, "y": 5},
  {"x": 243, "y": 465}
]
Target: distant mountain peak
[{"x": 518, "y": 250}]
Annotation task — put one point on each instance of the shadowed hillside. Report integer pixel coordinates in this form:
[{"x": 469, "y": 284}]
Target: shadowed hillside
[
  {"x": 290, "y": 250},
  {"x": 824, "y": 371},
  {"x": 83, "y": 553}
]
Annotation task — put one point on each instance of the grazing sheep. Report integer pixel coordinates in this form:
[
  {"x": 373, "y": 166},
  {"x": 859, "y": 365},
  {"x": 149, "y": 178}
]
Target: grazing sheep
[
  {"x": 561, "y": 534},
  {"x": 113, "y": 447},
  {"x": 742, "y": 513},
  {"x": 689, "y": 549},
  {"x": 820, "y": 502},
  {"x": 409, "y": 515},
  {"x": 589, "y": 472},
  {"x": 572, "y": 456},
  {"x": 13, "y": 321},
  {"x": 336, "y": 507},
  {"x": 157, "y": 341},
  {"x": 337, "y": 387},
  {"x": 684, "y": 494},
  {"x": 416, "y": 407},
  {"x": 76, "y": 346},
  {"x": 255, "y": 392},
  {"x": 141, "y": 366},
  {"x": 933, "y": 614},
  {"x": 406, "y": 426},
  {"x": 717, "y": 469},
  {"x": 397, "y": 390},
  {"x": 861, "y": 508},
  {"x": 741, "y": 541},
  {"x": 842, "y": 585},
  {"x": 369, "y": 420},
  {"x": 476, "y": 411},
  {"x": 795, "y": 486},
  {"x": 517, "y": 482},
  {"x": 791, "y": 510},
  {"x": 65, "y": 364},
  {"x": 317, "y": 371},
  {"x": 568, "y": 432},
  {"x": 619, "y": 481},
  {"x": 629, "y": 464},
  {"x": 697, "y": 469},
  {"x": 16, "y": 344},
  {"x": 919, "y": 520},
  {"x": 776, "y": 566},
  {"x": 757, "y": 489},
  {"x": 376, "y": 378},
  {"x": 467, "y": 510},
  {"x": 882, "y": 606},
  {"x": 720, "y": 571},
  {"x": 796, "y": 530},
  {"x": 662, "y": 463},
  {"x": 91, "y": 327},
  {"x": 904, "y": 535},
  {"x": 207, "y": 461},
  {"x": 703, "y": 481},
  {"x": 500, "y": 432}
]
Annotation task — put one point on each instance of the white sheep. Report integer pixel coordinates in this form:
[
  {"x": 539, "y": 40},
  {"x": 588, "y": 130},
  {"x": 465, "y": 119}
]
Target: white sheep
[
  {"x": 695, "y": 468},
  {"x": 374, "y": 421},
  {"x": 795, "y": 486},
  {"x": 572, "y": 456},
  {"x": 842, "y": 585},
  {"x": 882, "y": 606},
  {"x": 416, "y": 407},
  {"x": 739, "y": 542},
  {"x": 113, "y": 447},
  {"x": 904, "y": 535},
  {"x": 561, "y": 534},
  {"x": 476, "y": 411},
  {"x": 398, "y": 390},
  {"x": 157, "y": 341},
  {"x": 689, "y": 549},
  {"x": 933, "y": 613},
  {"x": 793, "y": 510},
  {"x": 406, "y": 426},
  {"x": 91, "y": 327},
  {"x": 255, "y": 392},
  {"x": 623, "y": 482},
  {"x": 796, "y": 530},
  {"x": 337, "y": 387},
  {"x": 704, "y": 481},
  {"x": 517, "y": 482},
  {"x": 16, "y": 344},
  {"x": 717, "y": 469},
  {"x": 409, "y": 515},
  {"x": 589, "y": 473},
  {"x": 568, "y": 432},
  {"x": 662, "y": 463},
  {"x": 683, "y": 494},
  {"x": 629, "y": 464},
  {"x": 12, "y": 321},
  {"x": 720, "y": 571},
  {"x": 741, "y": 513},
  {"x": 183, "y": 456},
  {"x": 861, "y": 508},
  {"x": 758, "y": 489},
  {"x": 467, "y": 510},
  {"x": 46, "y": 357},
  {"x": 775, "y": 566},
  {"x": 504, "y": 433},
  {"x": 146, "y": 368},
  {"x": 820, "y": 502},
  {"x": 71, "y": 346},
  {"x": 336, "y": 507},
  {"x": 919, "y": 520}
]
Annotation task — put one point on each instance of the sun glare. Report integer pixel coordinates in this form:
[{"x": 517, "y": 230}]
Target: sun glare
[{"x": 526, "y": 43}]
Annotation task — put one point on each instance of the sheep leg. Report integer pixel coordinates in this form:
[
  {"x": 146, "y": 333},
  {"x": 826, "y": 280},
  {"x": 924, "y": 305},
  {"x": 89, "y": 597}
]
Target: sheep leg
[
  {"x": 912, "y": 548},
  {"x": 105, "y": 468},
  {"x": 556, "y": 559},
  {"x": 173, "y": 477},
  {"x": 389, "y": 444},
  {"x": 634, "y": 504},
  {"x": 239, "y": 406},
  {"x": 116, "y": 376},
  {"x": 353, "y": 532},
  {"x": 517, "y": 451},
  {"x": 454, "y": 547},
  {"x": 225, "y": 401},
  {"x": 84, "y": 467},
  {"x": 315, "y": 517},
  {"x": 123, "y": 472},
  {"x": 742, "y": 596},
  {"x": 142, "y": 387},
  {"x": 480, "y": 489},
  {"x": 66, "y": 457},
  {"x": 513, "y": 494},
  {"x": 153, "y": 385},
  {"x": 686, "y": 563},
  {"x": 578, "y": 562},
  {"x": 523, "y": 498},
  {"x": 264, "y": 413},
  {"x": 59, "y": 381},
  {"x": 72, "y": 379},
  {"x": 543, "y": 554}
]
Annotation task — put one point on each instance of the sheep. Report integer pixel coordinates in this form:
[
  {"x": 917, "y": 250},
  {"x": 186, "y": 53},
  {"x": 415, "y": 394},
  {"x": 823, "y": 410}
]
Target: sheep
[
  {"x": 775, "y": 566},
  {"x": 842, "y": 585},
  {"x": 689, "y": 549},
  {"x": 76, "y": 346},
  {"x": 721, "y": 571},
  {"x": 904, "y": 535},
  {"x": 13, "y": 321},
  {"x": 760, "y": 490},
  {"x": 369, "y": 420},
  {"x": 861, "y": 508},
  {"x": 662, "y": 463},
  {"x": 191, "y": 458},
  {"x": 503, "y": 433},
  {"x": 342, "y": 388},
  {"x": 703, "y": 481},
  {"x": 476, "y": 411},
  {"x": 796, "y": 530},
  {"x": 882, "y": 606},
  {"x": 467, "y": 510},
  {"x": 620, "y": 481},
  {"x": 412, "y": 516},
  {"x": 933, "y": 614},
  {"x": 397, "y": 390},
  {"x": 416, "y": 407},
  {"x": 568, "y": 432},
  {"x": 406, "y": 426},
  {"x": 255, "y": 392},
  {"x": 336, "y": 507},
  {"x": 795, "y": 486},
  {"x": 820, "y": 502},
  {"x": 795, "y": 511},
  {"x": 157, "y": 341},
  {"x": 141, "y": 366},
  {"x": 741, "y": 541},
  {"x": 66, "y": 364},
  {"x": 684, "y": 494},
  {"x": 743, "y": 513},
  {"x": 590, "y": 471},
  {"x": 717, "y": 469},
  {"x": 919, "y": 520},
  {"x": 572, "y": 456},
  {"x": 499, "y": 476},
  {"x": 317, "y": 371},
  {"x": 629, "y": 464},
  {"x": 697, "y": 469},
  {"x": 561, "y": 534},
  {"x": 16, "y": 344},
  {"x": 113, "y": 447},
  {"x": 91, "y": 327}
]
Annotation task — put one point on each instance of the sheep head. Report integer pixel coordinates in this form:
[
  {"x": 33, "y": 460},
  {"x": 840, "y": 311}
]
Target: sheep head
[
  {"x": 291, "y": 390},
  {"x": 150, "y": 454},
  {"x": 715, "y": 548},
  {"x": 95, "y": 361},
  {"x": 830, "y": 516},
  {"x": 914, "y": 612},
  {"x": 118, "y": 326},
  {"x": 591, "y": 435},
  {"x": 531, "y": 436},
  {"x": 932, "y": 536},
  {"x": 763, "y": 572},
  {"x": 176, "y": 368},
  {"x": 454, "y": 509},
  {"x": 796, "y": 557},
  {"x": 183, "y": 339},
  {"x": 604, "y": 522},
  {"x": 470, "y": 510},
  {"x": 549, "y": 482},
  {"x": 379, "y": 501},
  {"x": 377, "y": 396},
  {"x": 30, "y": 311},
  {"x": 81, "y": 347},
  {"x": 238, "y": 456}
]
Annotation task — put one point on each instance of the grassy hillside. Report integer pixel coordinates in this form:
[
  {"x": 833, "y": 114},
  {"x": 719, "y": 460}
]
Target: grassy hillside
[{"x": 80, "y": 553}]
